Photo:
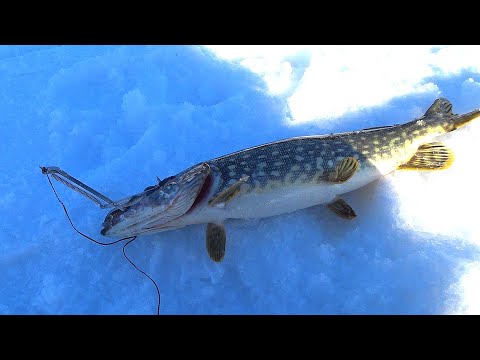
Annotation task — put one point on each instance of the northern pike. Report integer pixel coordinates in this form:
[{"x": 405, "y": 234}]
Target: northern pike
[{"x": 285, "y": 176}]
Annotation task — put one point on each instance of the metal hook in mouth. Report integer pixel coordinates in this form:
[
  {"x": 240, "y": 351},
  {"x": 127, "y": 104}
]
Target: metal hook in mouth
[{"x": 76, "y": 185}]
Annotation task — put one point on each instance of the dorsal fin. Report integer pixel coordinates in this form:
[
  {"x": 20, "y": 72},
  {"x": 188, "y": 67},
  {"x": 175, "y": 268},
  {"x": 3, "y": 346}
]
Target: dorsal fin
[{"x": 441, "y": 106}]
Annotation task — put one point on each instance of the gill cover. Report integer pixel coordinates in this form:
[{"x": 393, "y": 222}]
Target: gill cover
[{"x": 158, "y": 204}]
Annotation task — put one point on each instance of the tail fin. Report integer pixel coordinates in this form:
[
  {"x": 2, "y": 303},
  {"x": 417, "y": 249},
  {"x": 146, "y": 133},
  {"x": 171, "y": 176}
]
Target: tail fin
[
  {"x": 442, "y": 109},
  {"x": 461, "y": 120}
]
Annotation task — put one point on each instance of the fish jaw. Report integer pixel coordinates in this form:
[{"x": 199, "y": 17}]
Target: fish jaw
[{"x": 159, "y": 204}]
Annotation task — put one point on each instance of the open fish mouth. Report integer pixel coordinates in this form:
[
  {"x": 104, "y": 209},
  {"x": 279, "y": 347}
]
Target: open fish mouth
[{"x": 159, "y": 204}]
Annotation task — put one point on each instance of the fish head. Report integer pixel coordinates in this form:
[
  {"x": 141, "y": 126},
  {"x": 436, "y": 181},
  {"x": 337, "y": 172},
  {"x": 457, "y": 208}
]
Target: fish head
[{"x": 159, "y": 204}]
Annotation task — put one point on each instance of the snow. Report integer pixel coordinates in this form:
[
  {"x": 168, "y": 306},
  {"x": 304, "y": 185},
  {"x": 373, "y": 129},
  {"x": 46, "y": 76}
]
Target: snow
[{"x": 115, "y": 117}]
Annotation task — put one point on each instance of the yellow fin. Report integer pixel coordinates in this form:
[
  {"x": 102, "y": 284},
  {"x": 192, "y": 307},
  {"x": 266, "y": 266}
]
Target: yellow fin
[
  {"x": 344, "y": 170},
  {"x": 432, "y": 156},
  {"x": 216, "y": 240},
  {"x": 342, "y": 209},
  {"x": 228, "y": 193}
]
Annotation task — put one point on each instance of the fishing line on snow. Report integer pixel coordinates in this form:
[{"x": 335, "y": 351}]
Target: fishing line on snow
[{"x": 129, "y": 238}]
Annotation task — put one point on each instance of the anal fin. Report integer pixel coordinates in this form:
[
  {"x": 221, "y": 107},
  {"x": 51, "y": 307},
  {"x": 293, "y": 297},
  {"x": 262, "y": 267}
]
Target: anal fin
[
  {"x": 432, "y": 156},
  {"x": 216, "y": 241},
  {"x": 344, "y": 171},
  {"x": 342, "y": 209},
  {"x": 228, "y": 193}
]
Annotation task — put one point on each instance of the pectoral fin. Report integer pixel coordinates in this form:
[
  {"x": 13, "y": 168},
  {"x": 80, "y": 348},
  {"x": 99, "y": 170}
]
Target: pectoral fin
[
  {"x": 342, "y": 209},
  {"x": 227, "y": 194},
  {"x": 345, "y": 170},
  {"x": 433, "y": 156},
  {"x": 216, "y": 240}
]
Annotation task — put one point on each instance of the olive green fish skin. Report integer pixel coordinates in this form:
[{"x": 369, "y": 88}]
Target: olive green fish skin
[{"x": 311, "y": 159}]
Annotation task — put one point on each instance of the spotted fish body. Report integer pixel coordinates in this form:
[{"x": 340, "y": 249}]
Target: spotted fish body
[{"x": 297, "y": 173}]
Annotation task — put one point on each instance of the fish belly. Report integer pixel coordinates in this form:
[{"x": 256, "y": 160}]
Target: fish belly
[{"x": 295, "y": 196}]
